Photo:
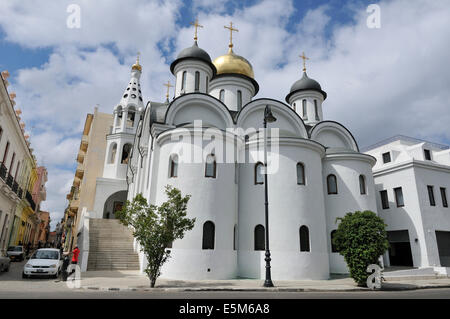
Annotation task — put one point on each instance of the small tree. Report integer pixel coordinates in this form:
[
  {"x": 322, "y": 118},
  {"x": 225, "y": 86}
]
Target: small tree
[
  {"x": 361, "y": 238},
  {"x": 156, "y": 227}
]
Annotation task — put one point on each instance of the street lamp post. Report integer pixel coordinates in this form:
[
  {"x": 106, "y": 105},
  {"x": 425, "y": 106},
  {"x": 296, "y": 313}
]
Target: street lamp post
[{"x": 268, "y": 118}]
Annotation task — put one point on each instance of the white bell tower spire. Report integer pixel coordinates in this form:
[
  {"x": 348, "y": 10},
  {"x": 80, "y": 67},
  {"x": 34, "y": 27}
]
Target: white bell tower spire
[{"x": 126, "y": 118}]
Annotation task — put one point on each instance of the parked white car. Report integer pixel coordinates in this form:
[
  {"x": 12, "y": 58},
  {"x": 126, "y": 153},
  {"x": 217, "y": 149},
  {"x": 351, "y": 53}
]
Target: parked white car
[
  {"x": 44, "y": 261},
  {"x": 4, "y": 262},
  {"x": 15, "y": 253}
]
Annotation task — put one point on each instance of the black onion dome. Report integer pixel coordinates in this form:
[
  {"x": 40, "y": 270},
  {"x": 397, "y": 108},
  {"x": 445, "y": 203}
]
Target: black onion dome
[
  {"x": 304, "y": 84},
  {"x": 193, "y": 52}
]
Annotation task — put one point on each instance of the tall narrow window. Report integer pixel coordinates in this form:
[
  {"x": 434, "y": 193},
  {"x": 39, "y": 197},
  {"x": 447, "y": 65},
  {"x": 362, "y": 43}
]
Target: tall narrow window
[
  {"x": 386, "y": 157},
  {"x": 399, "y": 197},
  {"x": 236, "y": 172},
  {"x": 427, "y": 155},
  {"x": 316, "y": 110},
  {"x": 444, "y": 197},
  {"x": 222, "y": 95},
  {"x": 207, "y": 85},
  {"x": 112, "y": 156},
  {"x": 304, "y": 238},
  {"x": 332, "y": 184},
  {"x": 208, "y": 235},
  {"x": 17, "y": 170},
  {"x": 260, "y": 238},
  {"x": 295, "y": 108},
  {"x": 197, "y": 81},
  {"x": 259, "y": 176},
  {"x": 384, "y": 199},
  {"x": 362, "y": 184},
  {"x": 210, "y": 167},
  {"x": 173, "y": 166},
  {"x": 12, "y": 163},
  {"x": 183, "y": 81},
  {"x": 305, "y": 113},
  {"x": 431, "y": 195},
  {"x": 333, "y": 246},
  {"x": 130, "y": 117},
  {"x": 300, "y": 174},
  {"x": 126, "y": 152},
  {"x": 5, "y": 155},
  {"x": 239, "y": 100},
  {"x": 1, "y": 133}
]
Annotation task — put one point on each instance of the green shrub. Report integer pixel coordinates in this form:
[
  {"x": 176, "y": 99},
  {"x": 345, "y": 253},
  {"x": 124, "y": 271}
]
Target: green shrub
[{"x": 361, "y": 238}]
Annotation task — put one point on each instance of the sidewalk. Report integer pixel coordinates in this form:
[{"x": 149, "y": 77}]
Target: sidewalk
[{"x": 133, "y": 281}]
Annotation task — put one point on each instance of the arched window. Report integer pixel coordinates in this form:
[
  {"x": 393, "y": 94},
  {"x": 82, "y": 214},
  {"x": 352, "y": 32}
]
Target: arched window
[
  {"x": 119, "y": 116},
  {"x": 5, "y": 154},
  {"x": 304, "y": 238},
  {"x": 207, "y": 84},
  {"x": 239, "y": 100},
  {"x": 1, "y": 133},
  {"x": 332, "y": 184},
  {"x": 259, "y": 175},
  {"x": 362, "y": 184},
  {"x": 197, "y": 81},
  {"x": 208, "y": 235},
  {"x": 295, "y": 108},
  {"x": 173, "y": 166},
  {"x": 305, "y": 113},
  {"x": 112, "y": 155},
  {"x": 130, "y": 117},
  {"x": 301, "y": 174},
  {"x": 210, "y": 166},
  {"x": 316, "y": 110},
  {"x": 333, "y": 246},
  {"x": 183, "y": 81},
  {"x": 260, "y": 238},
  {"x": 222, "y": 95},
  {"x": 126, "y": 152},
  {"x": 234, "y": 237}
]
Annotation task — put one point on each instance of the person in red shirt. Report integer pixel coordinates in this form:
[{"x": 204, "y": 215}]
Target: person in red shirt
[{"x": 75, "y": 254}]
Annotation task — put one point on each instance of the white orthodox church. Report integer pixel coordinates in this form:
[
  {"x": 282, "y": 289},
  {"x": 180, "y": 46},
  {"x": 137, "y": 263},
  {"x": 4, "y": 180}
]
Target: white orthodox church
[{"x": 320, "y": 173}]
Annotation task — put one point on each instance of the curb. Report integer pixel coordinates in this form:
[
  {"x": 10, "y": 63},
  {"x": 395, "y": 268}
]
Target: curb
[{"x": 116, "y": 289}]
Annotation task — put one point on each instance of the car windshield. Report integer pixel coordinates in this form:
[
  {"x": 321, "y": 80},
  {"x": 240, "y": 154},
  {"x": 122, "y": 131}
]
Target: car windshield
[
  {"x": 45, "y": 254},
  {"x": 15, "y": 248}
]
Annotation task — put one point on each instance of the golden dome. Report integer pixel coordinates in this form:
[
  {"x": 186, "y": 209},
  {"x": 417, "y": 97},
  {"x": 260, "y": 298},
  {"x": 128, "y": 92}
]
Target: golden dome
[
  {"x": 137, "y": 66},
  {"x": 232, "y": 63}
]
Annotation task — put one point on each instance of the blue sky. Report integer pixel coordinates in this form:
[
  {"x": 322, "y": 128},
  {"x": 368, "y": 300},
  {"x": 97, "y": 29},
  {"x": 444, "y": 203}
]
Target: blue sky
[{"x": 380, "y": 82}]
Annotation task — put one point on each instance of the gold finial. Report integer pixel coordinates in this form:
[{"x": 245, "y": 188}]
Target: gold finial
[
  {"x": 168, "y": 85},
  {"x": 231, "y": 33},
  {"x": 304, "y": 57},
  {"x": 137, "y": 66},
  {"x": 196, "y": 25}
]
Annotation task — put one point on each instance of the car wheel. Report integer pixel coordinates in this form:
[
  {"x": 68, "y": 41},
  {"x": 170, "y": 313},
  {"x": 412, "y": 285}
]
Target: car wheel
[{"x": 24, "y": 276}]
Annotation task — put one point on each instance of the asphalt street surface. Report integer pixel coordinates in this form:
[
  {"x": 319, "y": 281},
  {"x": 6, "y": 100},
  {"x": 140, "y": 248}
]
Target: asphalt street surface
[{"x": 13, "y": 286}]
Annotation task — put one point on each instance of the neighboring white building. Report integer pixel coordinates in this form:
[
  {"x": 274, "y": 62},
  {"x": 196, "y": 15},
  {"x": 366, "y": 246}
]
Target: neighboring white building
[{"x": 412, "y": 182}]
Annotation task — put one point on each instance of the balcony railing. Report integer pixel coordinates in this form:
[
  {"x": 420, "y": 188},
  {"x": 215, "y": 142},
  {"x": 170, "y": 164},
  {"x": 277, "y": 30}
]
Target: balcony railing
[
  {"x": 15, "y": 187},
  {"x": 3, "y": 171},
  {"x": 30, "y": 200},
  {"x": 9, "y": 180}
]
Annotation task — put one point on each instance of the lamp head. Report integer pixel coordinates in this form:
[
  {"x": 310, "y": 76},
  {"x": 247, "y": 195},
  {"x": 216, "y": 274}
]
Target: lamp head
[{"x": 268, "y": 116}]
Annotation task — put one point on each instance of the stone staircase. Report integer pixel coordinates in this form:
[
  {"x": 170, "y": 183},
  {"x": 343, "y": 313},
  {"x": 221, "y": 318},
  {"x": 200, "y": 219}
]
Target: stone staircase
[{"x": 111, "y": 246}]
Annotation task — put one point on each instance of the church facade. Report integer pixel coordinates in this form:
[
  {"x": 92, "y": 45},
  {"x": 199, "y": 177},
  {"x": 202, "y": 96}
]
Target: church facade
[{"x": 318, "y": 172}]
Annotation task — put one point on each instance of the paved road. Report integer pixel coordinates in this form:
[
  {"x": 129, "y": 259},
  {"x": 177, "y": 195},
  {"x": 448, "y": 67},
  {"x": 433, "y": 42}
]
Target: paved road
[{"x": 13, "y": 286}]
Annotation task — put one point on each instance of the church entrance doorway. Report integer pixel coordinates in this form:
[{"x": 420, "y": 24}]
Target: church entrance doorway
[
  {"x": 443, "y": 243},
  {"x": 399, "y": 248},
  {"x": 113, "y": 204}
]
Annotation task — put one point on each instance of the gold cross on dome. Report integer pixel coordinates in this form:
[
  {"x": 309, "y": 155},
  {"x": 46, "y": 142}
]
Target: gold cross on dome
[
  {"x": 137, "y": 59},
  {"x": 304, "y": 57},
  {"x": 231, "y": 33},
  {"x": 168, "y": 85},
  {"x": 196, "y": 25}
]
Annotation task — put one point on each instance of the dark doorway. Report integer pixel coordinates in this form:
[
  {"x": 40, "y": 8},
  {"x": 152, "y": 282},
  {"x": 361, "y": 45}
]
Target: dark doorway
[
  {"x": 399, "y": 248},
  {"x": 443, "y": 243}
]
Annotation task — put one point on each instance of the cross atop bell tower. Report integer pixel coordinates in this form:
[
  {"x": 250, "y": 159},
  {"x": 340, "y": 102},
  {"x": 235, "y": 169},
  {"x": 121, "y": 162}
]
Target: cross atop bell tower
[
  {"x": 196, "y": 26},
  {"x": 231, "y": 33}
]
